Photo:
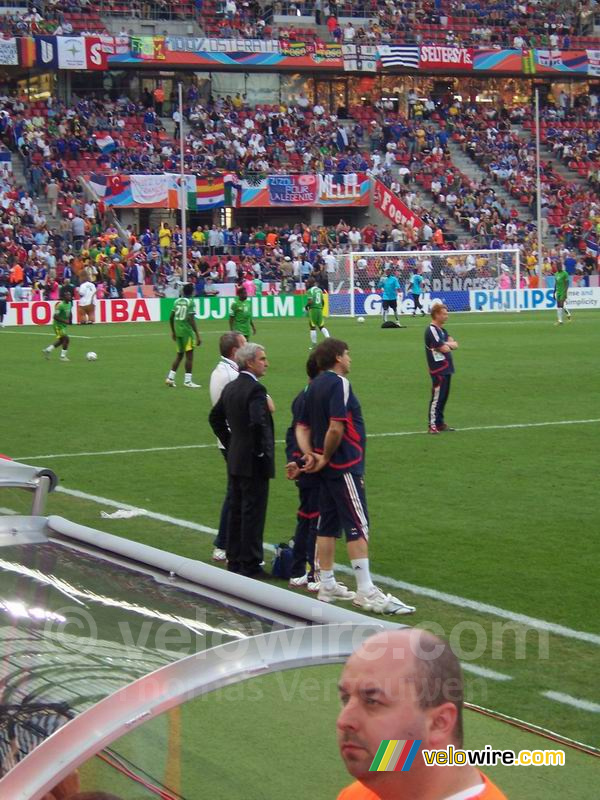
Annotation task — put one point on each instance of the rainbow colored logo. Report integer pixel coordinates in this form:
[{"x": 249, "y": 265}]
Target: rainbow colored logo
[{"x": 395, "y": 755}]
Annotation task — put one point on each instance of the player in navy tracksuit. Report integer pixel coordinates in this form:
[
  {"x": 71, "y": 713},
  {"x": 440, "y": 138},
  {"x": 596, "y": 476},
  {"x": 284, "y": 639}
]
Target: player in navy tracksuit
[
  {"x": 438, "y": 348},
  {"x": 305, "y": 537}
]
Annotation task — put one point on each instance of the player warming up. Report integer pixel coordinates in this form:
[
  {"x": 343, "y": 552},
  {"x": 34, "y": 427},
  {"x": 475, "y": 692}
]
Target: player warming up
[
  {"x": 389, "y": 298},
  {"x": 62, "y": 318},
  {"x": 438, "y": 348},
  {"x": 184, "y": 333},
  {"x": 314, "y": 306},
  {"x": 561, "y": 290}
]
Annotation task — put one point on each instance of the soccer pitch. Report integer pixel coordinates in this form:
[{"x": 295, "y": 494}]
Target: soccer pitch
[{"x": 490, "y": 531}]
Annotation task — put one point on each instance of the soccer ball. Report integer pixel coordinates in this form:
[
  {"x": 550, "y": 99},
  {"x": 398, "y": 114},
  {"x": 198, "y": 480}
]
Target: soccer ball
[
  {"x": 91, "y": 356},
  {"x": 360, "y": 319}
]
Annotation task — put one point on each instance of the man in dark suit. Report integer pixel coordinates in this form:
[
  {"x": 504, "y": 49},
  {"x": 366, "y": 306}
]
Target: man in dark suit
[{"x": 242, "y": 422}]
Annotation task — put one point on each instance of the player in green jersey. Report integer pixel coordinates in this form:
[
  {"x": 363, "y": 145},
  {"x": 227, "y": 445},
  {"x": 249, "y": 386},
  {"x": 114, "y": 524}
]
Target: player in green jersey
[
  {"x": 561, "y": 290},
  {"x": 62, "y": 318},
  {"x": 184, "y": 333},
  {"x": 314, "y": 306},
  {"x": 240, "y": 315}
]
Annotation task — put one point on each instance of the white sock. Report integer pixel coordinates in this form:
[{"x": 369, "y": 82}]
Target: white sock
[
  {"x": 566, "y": 310},
  {"x": 313, "y": 337},
  {"x": 171, "y": 375},
  {"x": 63, "y": 353},
  {"x": 327, "y": 578},
  {"x": 188, "y": 377},
  {"x": 49, "y": 349},
  {"x": 385, "y": 316},
  {"x": 559, "y": 311},
  {"x": 325, "y": 332},
  {"x": 362, "y": 573}
]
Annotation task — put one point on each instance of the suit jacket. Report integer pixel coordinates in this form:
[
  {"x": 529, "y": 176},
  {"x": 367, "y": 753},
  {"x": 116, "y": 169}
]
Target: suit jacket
[{"x": 243, "y": 423}]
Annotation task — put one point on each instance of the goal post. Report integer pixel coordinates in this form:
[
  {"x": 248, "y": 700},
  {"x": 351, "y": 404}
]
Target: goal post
[{"x": 465, "y": 280}]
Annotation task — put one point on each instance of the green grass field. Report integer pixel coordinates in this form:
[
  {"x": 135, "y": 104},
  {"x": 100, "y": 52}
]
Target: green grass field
[{"x": 481, "y": 529}]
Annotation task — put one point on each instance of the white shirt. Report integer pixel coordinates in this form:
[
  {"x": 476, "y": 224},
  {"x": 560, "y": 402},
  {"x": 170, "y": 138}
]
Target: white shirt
[
  {"x": 225, "y": 372},
  {"x": 231, "y": 269},
  {"x": 87, "y": 293}
]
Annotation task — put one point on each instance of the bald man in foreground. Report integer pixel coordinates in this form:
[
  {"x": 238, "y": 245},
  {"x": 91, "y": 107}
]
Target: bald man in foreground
[{"x": 405, "y": 684}]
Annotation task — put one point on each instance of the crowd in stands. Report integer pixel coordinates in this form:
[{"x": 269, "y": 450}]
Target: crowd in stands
[{"x": 56, "y": 143}]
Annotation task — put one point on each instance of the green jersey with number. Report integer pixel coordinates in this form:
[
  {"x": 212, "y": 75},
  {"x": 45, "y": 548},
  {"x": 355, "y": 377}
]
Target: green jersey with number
[
  {"x": 241, "y": 311},
  {"x": 62, "y": 313},
  {"x": 314, "y": 298},
  {"x": 183, "y": 312},
  {"x": 561, "y": 282}
]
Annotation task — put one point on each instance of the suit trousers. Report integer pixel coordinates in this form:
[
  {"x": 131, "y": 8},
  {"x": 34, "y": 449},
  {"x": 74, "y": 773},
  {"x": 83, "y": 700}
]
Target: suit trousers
[
  {"x": 221, "y": 538},
  {"x": 246, "y": 523}
]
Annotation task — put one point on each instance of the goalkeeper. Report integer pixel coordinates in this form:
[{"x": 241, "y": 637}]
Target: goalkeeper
[
  {"x": 389, "y": 299},
  {"x": 314, "y": 307}
]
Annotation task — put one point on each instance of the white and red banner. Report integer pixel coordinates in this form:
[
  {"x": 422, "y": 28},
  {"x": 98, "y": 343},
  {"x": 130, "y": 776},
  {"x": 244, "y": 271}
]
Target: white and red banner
[
  {"x": 125, "y": 310},
  {"x": 435, "y": 56},
  {"x": 95, "y": 53},
  {"x": 393, "y": 208}
]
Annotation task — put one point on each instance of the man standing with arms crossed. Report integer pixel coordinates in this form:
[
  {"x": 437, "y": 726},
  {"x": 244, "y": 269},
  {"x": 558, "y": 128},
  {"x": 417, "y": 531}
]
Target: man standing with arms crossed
[
  {"x": 331, "y": 435},
  {"x": 438, "y": 349},
  {"x": 225, "y": 372}
]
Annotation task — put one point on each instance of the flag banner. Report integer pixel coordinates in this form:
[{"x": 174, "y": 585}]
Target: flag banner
[
  {"x": 9, "y": 54},
  {"x": 205, "y": 44},
  {"x": 174, "y": 191},
  {"x": 98, "y": 184},
  {"x": 393, "y": 207},
  {"x": 95, "y": 54},
  {"x": 359, "y": 58},
  {"x": 290, "y": 190},
  {"x": 449, "y": 58},
  {"x": 210, "y": 193},
  {"x": 343, "y": 189},
  {"x": 5, "y": 160},
  {"x": 46, "y": 52},
  {"x": 233, "y": 190},
  {"x": 392, "y": 55},
  {"x": 106, "y": 143},
  {"x": 71, "y": 52},
  {"x": 149, "y": 190},
  {"x": 593, "y": 57}
]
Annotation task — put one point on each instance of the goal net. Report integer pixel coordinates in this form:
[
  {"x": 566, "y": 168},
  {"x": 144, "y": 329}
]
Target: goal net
[{"x": 465, "y": 280}]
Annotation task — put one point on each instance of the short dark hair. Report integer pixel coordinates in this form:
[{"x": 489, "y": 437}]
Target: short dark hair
[
  {"x": 328, "y": 351},
  {"x": 439, "y": 678},
  {"x": 312, "y": 368},
  {"x": 188, "y": 290},
  {"x": 228, "y": 342}
]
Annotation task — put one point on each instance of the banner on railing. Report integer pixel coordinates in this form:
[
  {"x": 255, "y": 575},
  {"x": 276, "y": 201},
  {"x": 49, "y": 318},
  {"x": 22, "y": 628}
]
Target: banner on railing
[
  {"x": 349, "y": 189},
  {"x": 9, "y": 54},
  {"x": 100, "y": 52},
  {"x": 392, "y": 206}
]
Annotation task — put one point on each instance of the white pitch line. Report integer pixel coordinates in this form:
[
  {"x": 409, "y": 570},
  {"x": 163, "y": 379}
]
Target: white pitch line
[
  {"x": 567, "y": 700},
  {"x": 484, "y": 672},
  {"x": 512, "y": 426},
  {"x": 48, "y": 335},
  {"x": 423, "y": 591},
  {"x": 4, "y": 510}
]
